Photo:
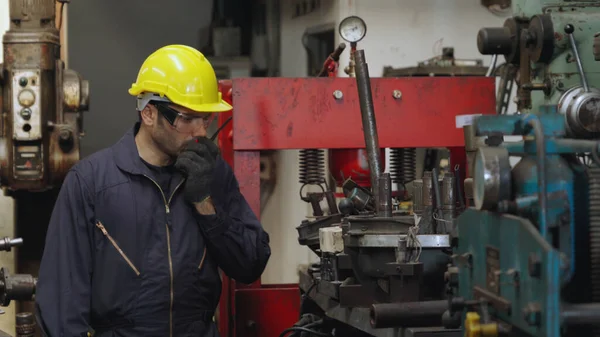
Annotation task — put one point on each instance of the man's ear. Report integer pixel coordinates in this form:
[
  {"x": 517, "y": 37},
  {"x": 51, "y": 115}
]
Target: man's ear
[{"x": 147, "y": 115}]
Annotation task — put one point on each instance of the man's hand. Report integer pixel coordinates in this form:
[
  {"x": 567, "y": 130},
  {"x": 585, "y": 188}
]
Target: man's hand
[{"x": 197, "y": 163}]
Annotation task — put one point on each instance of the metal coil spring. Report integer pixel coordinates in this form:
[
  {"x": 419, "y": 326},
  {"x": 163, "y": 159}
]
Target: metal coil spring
[
  {"x": 403, "y": 165},
  {"x": 312, "y": 167}
]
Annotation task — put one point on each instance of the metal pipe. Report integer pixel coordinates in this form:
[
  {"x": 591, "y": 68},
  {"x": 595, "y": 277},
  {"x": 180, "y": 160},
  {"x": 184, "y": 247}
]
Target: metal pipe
[
  {"x": 418, "y": 196},
  {"x": 540, "y": 144},
  {"x": 385, "y": 196},
  {"x": 438, "y": 198},
  {"x": 7, "y": 243},
  {"x": 408, "y": 314},
  {"x": 365, "y": 98},
  {"x": 581, "y": 314},
  {"x": 458, "y": 185}
]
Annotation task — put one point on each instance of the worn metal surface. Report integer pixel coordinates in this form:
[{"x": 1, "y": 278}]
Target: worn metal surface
[
  {"x": 266, "y": 312},
  {"x": 518, "y": 241},
  {"x": 43, "y": 101},
  {"x": 297, "y": 113},
  {"x": 391, "y": 241}
]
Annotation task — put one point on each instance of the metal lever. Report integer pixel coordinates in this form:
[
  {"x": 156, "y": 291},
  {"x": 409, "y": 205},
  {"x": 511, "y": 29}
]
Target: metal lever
[
  {"x": 569, "y": 29},
  {"x": 7, "y": 243}
]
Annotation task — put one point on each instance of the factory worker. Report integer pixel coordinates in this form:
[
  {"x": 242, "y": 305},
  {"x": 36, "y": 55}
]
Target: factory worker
[{"x": 140, "y": 229}]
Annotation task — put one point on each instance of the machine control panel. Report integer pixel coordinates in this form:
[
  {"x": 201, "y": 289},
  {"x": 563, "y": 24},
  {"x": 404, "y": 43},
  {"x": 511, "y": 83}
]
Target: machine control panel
[
  {"x": 28, "y": 162},
  {"x": 26, "y": 103}
]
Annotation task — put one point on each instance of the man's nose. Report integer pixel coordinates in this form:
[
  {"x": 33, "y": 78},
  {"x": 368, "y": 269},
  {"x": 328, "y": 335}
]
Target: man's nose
[{"x": 200, "y": 131}]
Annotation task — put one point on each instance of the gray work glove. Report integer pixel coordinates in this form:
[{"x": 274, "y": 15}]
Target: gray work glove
[{"x": 197, "y": 163}]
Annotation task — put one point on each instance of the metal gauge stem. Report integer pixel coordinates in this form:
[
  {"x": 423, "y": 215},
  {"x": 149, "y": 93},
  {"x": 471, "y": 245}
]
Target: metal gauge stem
[{"x": 353, "y": 29}]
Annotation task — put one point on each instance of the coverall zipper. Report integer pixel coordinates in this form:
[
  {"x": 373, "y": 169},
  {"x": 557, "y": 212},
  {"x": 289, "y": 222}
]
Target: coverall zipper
[
  {"x": 202, "y": 261},
  {"x": 168, "y": 210},
  {"x": 114, "y": 243}
]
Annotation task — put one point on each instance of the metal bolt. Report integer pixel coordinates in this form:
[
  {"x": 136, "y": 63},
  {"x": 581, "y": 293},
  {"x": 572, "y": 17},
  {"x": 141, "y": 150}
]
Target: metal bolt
[
  {"x": 64, "y": 135},
  {"x": 535, "y": 265},
  {"x": 397, "y": 94},
  {"x": 338, "y": 94}
]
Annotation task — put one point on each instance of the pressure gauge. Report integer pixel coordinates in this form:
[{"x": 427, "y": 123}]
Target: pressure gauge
[{"x": 353, "y": 29}]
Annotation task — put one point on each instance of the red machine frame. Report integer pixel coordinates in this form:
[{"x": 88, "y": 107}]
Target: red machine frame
[{"x": 303, "y": 113}]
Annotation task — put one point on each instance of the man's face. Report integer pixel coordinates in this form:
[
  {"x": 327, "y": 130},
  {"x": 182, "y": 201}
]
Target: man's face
[{"x": 173, "y": 127}]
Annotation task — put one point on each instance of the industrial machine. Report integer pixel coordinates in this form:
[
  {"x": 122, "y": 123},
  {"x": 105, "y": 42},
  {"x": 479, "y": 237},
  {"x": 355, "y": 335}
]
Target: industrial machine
[
  {"x": 280, "y": 114},
  {"x": 42, "y": 101},
  {"x": 383, "y": 259},
  {"x": 527, "y": 259}
]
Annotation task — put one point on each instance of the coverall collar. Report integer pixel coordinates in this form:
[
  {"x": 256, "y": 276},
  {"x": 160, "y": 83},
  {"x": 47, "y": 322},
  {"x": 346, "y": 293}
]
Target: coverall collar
[{"x": 127, "y": 156}]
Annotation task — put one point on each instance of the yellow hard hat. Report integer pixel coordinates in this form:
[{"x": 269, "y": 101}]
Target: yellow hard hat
[{"x": 182, "y": 75}]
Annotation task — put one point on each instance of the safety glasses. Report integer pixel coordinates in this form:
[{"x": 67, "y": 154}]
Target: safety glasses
[{"x": 184, "y": 123}]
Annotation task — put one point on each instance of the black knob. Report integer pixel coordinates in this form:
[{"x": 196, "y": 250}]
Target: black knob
[
  {"x": 494, "y": 41},
  {"x": 569, "y": 29},
  {"x": 346, "y": 206}
]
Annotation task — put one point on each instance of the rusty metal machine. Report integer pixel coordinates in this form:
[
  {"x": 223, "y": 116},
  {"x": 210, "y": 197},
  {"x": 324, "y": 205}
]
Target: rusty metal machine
[{"x": 42, "y": 101}]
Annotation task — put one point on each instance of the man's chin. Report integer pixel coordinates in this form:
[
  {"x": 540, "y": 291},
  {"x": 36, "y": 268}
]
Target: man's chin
[{"x": 178, "y": 152}]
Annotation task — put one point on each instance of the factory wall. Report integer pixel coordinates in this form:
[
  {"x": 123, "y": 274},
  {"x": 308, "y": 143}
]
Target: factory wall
[
  {"x": 111, "y": 40},
  {"x": 400, "y": 33}
]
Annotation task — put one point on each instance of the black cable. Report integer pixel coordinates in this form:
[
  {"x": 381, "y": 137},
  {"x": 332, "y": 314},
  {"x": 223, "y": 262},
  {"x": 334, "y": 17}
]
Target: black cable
[
  {"x": 312, "y": 286},
  {"x": 302, "y": 329},
  {"x": 307, "y": 326}
]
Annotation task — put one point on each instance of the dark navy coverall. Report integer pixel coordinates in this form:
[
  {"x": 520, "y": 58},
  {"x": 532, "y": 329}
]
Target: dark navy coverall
[{"x": 124, "y": 258}]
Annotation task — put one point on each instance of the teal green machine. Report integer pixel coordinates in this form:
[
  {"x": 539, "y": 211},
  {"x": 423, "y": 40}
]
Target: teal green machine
[{"x": 527, "y": 261}]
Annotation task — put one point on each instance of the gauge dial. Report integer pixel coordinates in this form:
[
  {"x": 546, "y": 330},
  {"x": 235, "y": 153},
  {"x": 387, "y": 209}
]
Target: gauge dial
[
  {"x": 26, "y": 98},
  {"x": 353, "y": 29}
]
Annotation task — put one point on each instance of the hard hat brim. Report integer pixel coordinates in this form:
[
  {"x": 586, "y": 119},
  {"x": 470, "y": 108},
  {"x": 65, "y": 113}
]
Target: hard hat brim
[{"x": 210, "y": 108}]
